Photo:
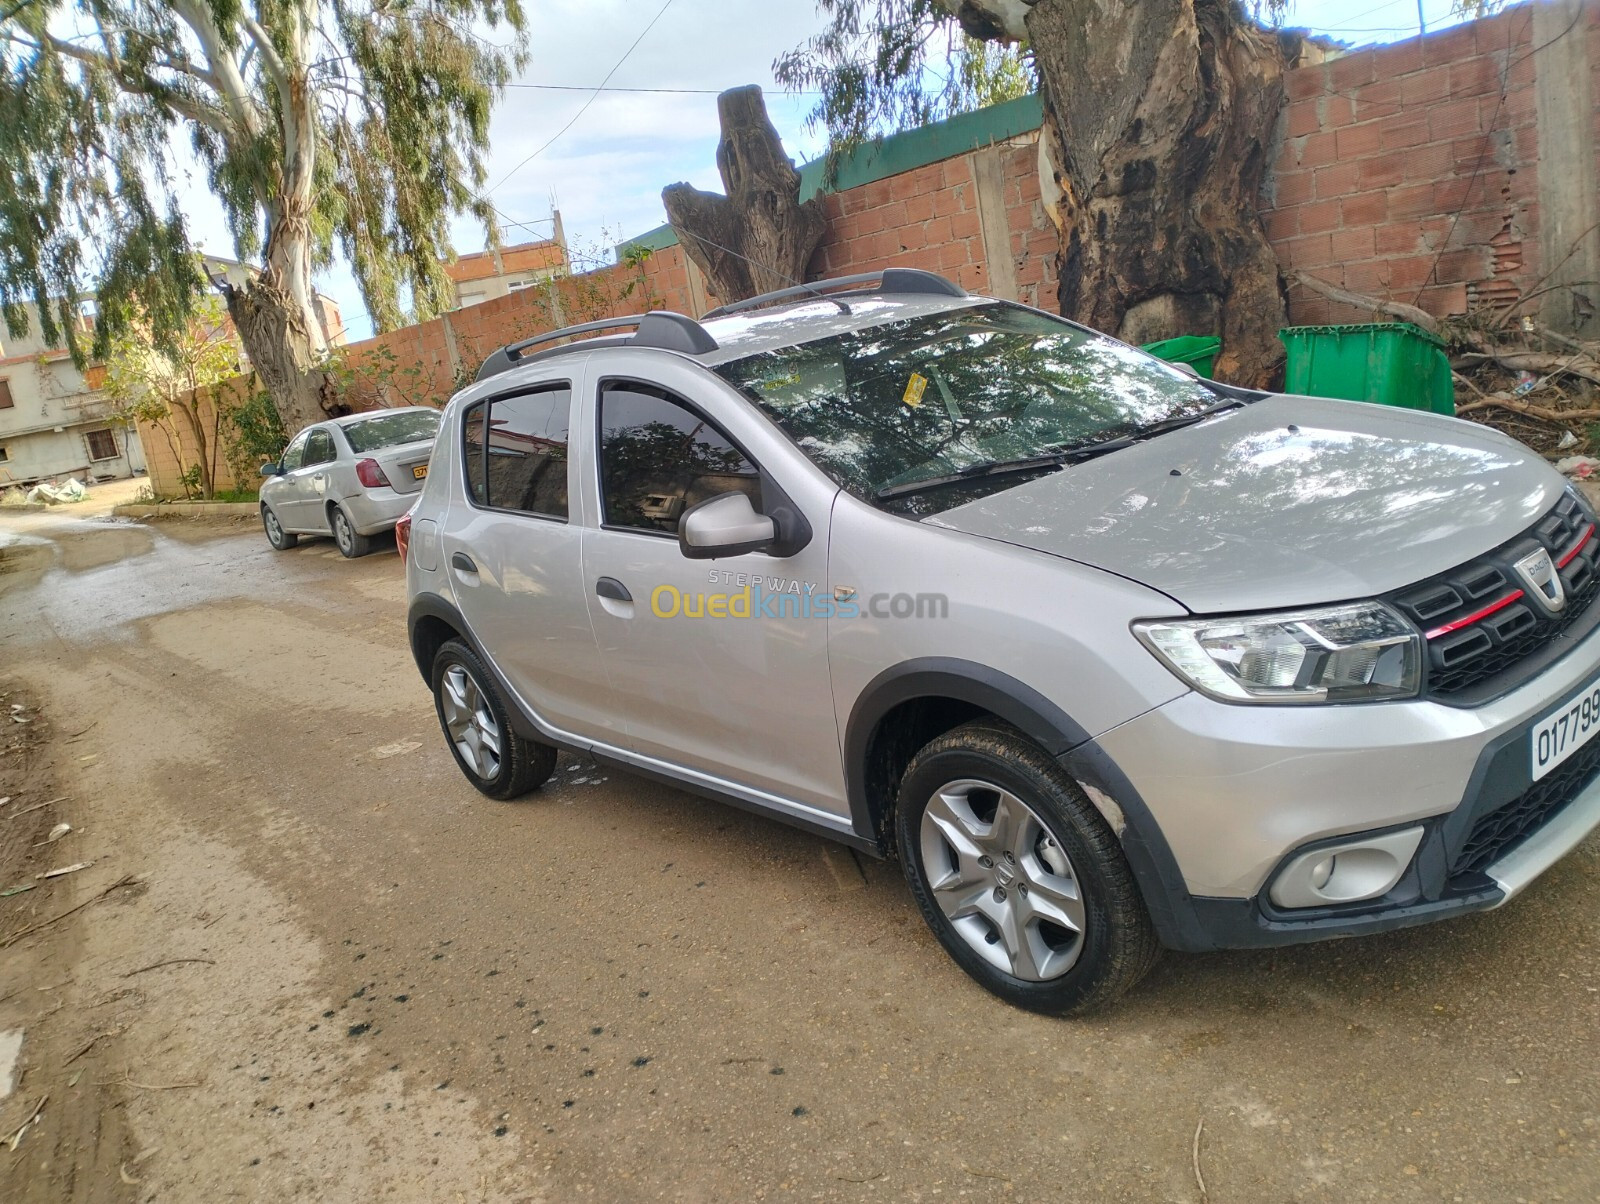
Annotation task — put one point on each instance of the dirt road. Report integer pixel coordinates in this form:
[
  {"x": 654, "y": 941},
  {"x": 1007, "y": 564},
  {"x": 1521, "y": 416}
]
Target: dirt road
[{"x": 341, "y": 974}]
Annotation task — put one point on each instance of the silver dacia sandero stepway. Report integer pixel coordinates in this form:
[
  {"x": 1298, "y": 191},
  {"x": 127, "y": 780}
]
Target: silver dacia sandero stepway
[{"x": 1111, "y": 658}]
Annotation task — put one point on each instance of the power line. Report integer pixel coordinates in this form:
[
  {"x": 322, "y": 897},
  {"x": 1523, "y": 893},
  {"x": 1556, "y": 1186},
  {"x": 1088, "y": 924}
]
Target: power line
[{"x": 642, "y": 34}]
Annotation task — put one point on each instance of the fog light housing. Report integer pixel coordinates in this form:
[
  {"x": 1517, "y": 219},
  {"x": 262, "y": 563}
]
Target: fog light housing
[{"x": 1364, "y": 867}]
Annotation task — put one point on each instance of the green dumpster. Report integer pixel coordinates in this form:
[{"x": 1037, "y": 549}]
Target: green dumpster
[
  {"x": 1198, "y": 351},
  {"x": 1391, "y": 363}
]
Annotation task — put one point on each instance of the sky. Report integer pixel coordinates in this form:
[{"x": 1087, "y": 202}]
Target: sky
[{"x": 605, "y": 173}]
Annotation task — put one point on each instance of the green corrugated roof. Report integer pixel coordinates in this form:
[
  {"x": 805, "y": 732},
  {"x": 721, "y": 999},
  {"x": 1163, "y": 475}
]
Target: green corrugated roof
[{"x": 897, "y": 154}]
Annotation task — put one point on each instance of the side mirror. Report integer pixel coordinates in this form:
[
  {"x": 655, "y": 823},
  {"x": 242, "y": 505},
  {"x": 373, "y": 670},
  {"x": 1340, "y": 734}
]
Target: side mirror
[
  {"x": 271, "y": 470},
  {"x": 725, "y": 525}
]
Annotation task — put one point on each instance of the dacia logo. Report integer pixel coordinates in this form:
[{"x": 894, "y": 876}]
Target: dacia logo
[{"x": 1538, "y": 573}]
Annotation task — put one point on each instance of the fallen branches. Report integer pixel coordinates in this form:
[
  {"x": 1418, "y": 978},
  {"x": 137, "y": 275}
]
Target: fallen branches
[
  {"x": 14, "y": 1138},
  {"x": 1579, "y": 365},
  {"x": 1395, "y": 309},
  {"x": 1561, "y": 417},
  {"x": 176, "y": 961},
  {"x": 32, "y": 928}
]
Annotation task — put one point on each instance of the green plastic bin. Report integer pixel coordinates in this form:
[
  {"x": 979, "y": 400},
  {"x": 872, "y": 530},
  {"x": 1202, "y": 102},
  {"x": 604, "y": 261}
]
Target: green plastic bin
[
  {"x": 1391, "y": 363},
  {"x": 1198, "y": 351}
]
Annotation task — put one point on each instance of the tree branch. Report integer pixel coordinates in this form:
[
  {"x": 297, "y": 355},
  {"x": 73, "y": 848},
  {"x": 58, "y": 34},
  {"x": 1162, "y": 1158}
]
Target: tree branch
[{"x": 1397, "y": 309}]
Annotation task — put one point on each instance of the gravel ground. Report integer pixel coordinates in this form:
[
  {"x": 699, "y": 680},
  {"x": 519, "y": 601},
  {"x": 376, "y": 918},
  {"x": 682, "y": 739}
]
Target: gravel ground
[{"x": 341, "y": 974}]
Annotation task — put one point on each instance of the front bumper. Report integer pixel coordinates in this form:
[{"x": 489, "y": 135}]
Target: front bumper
[{"x": 1235, "y": 792}]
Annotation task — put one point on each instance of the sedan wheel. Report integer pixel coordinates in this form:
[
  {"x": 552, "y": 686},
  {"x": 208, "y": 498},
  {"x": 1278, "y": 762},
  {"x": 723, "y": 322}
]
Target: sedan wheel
[
  {"x": 470, "y": 723},
  {"x": 276, "y": 535},
  {"x": 351, "y": 542}
]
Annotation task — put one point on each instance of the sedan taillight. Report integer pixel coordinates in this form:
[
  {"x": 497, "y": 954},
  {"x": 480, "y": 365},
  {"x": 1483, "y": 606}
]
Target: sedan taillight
[
  {"x": 402, "y": 535},
  {"x": 370, "y": 474}
]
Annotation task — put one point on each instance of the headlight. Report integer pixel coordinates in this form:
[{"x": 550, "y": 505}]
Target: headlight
[{"x": 1359, "y": 653}]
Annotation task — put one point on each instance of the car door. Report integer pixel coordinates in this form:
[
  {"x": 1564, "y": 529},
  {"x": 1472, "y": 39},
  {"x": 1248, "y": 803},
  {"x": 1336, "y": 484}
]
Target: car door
[
  {"x": 717, "y": 666},
  {"x": 311, "y": 480},
  {"x": 516, "y": 562},
  {"x": 281, "y": 491}
]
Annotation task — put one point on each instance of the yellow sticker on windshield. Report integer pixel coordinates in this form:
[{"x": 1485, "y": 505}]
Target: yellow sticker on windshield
[{"x": 915, "y": 388}]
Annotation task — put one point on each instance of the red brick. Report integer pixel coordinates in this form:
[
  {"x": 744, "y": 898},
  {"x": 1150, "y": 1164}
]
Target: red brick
[
  {"x": 1412, "y": 200},
  {"x": 1384, "y": 171},
  {"x": 1352, "y": 244},
  {"x": 1465, "y": 264},
  {"x": 1445, "y": 301},
  {"x": 1397, "y": 238},
  {"x": 1304, "y": 82},
  {"x": 954, "y": 255},
  {"x": 946, "y": 202},
  {"x": 1475, "y": 77},
  {"x": 1317, "y": 150},
  {"x": 1381, "y": 99},
  {"x": 1358, "y": 140},
  {"x": 1409, "y": 273},
  {"x": 1351, "y": 71},
  {"x": 1460, "y": 193},
  {"x": 1453, "y": 118},
  {"x": 965, "y": 225},
  {"x": 1431, "y": 162},
  {"x": 1449, "y": 46},
  {"x": 1398, "y": 58},
  {"x": 1291, "y": 188},
  {"x": 904, "y": 186},
  {"x": 937, "y": 232},
  {"x": 1425, "y": 87},
  {"x": 1337, "y": 181},
  {"x": 1308, "y": 252},
  {"x": 878, "y": 194},
  {"x": 1280, "y": 224},
  {"x": 1319, "y": 216},
  {"x": 1305, "y": 117},
  {"x": 1364, "y": 209},
  {"x": 1368, "y": 276},
  {"x": 956, "y": 172},
  {"x": 919, "y": 208},
  {"x": 1402, "y": 133}
]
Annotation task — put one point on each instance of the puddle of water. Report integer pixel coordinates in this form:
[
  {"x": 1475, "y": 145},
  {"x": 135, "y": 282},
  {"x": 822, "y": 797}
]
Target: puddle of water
[{"x": 10, "y": 1050}]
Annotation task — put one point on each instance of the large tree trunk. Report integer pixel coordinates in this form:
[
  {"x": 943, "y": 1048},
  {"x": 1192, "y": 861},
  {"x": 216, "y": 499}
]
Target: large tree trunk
[
  {"x": 760, "y": 237},
  {"x": 1159, "y": 121},
  {"x": 284, "y": 338}
]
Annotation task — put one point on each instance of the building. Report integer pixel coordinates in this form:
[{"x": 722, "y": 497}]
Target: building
[
  {"x": 54, "y": 421},
  {"x": 489, "y": 274}
]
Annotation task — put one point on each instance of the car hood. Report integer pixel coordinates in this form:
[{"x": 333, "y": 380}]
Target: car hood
[{"x": 1289, "y": 501}]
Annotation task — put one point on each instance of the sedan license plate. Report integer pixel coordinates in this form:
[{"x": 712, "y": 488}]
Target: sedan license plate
[
  {"x": 1565, "y": 732},
  {"x": 420, "y": 471}
]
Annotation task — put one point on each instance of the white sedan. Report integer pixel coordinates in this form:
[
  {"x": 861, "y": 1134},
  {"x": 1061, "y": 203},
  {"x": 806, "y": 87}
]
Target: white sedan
[{"x": 350, "y": 477}]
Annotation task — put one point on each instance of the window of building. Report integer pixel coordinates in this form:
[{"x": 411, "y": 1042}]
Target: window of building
[
  {"x": 515, "y": 285},
  {"x": 4, "y": 455},
  {"x": 5, "y": 395},
  {"x": 471, "y": 299},
  {"x": 102, "y": 445},
  {"x": 516, "y": 450},
  {"x": 658, "y": 458}
]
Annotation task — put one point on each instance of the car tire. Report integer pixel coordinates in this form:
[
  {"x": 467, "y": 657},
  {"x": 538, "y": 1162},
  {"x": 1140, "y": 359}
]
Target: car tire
[
  {"x": 280, "y": 539},
  {"x": 477, "y": 727},
  {"x": 351, "y": 542},
  {"x": 983, "y": 793}
]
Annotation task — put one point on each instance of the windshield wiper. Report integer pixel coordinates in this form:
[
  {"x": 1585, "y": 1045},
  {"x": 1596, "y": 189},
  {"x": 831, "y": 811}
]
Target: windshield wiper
[{"x": 1058, "y": 456}]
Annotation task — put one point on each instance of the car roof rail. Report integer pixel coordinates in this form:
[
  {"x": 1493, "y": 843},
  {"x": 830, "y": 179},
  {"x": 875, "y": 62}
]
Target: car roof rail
[
  {"x": 660, "y": 328},
  {"x": 912, "y": 281}
]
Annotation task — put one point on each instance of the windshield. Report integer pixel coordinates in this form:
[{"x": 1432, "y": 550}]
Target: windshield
[
  {"x": 925, "y": 398},
  {"x": 391, "y": 430}
]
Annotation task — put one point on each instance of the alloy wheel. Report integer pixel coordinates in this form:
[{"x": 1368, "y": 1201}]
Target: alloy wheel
[
  {"x": 1002, "y": 880},
  {"x": 470, "y": 722},
  {"x": 274, "y": 530},
  {"x": 343, "y": 532}
]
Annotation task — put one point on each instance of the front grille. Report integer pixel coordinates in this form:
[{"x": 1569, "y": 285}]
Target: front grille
[
  {"x": 1503, "y": 829},
  {"x": 1479, "y": 618}
]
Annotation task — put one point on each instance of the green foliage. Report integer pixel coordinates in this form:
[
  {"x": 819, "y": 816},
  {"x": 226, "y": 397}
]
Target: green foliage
[
  {"x": 254, "y": 436},
  {"x": 356, "y": 124},
  {"x": 883, "y": 66}
]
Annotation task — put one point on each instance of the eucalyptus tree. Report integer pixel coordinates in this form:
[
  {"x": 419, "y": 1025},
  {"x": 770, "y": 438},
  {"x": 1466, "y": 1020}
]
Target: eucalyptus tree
[{"x": 319, "y": 125}]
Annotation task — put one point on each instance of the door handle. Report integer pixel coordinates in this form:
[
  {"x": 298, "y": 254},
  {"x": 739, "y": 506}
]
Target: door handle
[
  {"x": 463, "y": 562},
  {"x": 610, "y": 587}
]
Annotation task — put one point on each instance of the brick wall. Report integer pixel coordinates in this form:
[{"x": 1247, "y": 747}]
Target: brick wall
[
  {"x": 170, "y": 449},
  {"x": 1410, "y": 172}
]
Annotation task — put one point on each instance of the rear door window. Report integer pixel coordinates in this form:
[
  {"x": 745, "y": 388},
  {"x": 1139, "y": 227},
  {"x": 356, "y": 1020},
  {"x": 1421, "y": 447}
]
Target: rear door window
[
  {"x": 658, "y": 457},
  {"x": 319, "y": 448},
  {"x": 516, "y": 452}
]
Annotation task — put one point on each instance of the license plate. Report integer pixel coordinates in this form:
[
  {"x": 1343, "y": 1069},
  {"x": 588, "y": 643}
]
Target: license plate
[
  {"x": 1565, "y": 732},
  {"x": 420, "y": 471}
]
